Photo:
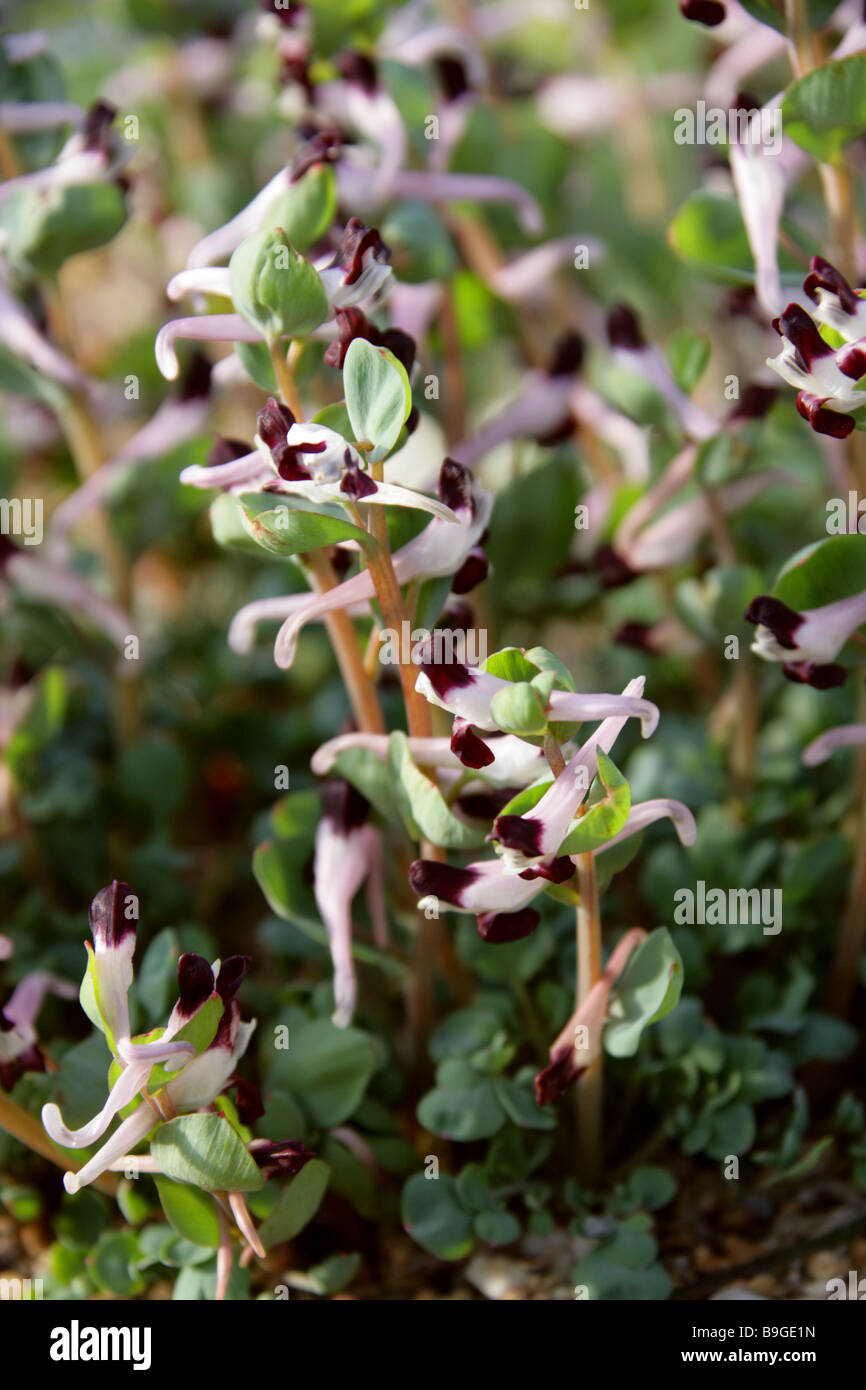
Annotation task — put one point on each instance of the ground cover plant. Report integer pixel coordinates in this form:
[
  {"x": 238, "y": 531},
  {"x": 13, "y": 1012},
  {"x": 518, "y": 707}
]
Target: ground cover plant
[{"x": 432, "y": 681}]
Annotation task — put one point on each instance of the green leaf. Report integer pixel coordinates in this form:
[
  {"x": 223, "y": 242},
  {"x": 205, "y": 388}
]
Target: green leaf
[
  {"x": 689, "y": 354},
  {"x": 230, "y": 526},
  {"x": 297, "y": 525},
  {"x": 190, "y": 1211},
  {"x": 546, "y": 661},
  {"x": 208, "y": 1152},
  {"x": 421, "y": 248},
  {"x": 708, "y": 232},
  {"x": 462, "y": 1115},
  {"x": 826, "y": 109},
  {"x": 330, "y": 1277},
  {"x": 824, "y": 572},
  {"x": 275, "y": 289},
  {"x": 424, "y": 808},
  {"x": 378, "y": 396},
  {"x": 307, "y": 208},
  {"x": 433, "y": 1216},
  {"x": 497, "y": 1227},
  {"x": 511, "y": 664},
  {"x": 773, "y": 13},
  {"x": 520, "y": 709},
  {"x": 298, "y": 1204},
  {"x": 112, "y": 1264},
  {"x": 462, "y": 1033},
  {"x": 45, "y": 229},
  {"x": 649, "y": 988},
  {"x": 604, "y": 819},
  {"x": 327, "y": 1068},
  {"x": 520, "y": 1105}
]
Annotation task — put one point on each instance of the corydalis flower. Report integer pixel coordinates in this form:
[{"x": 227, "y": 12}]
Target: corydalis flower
[
  {"x": 468, "y": 692},
  {"x": 514, "y": 762},
  {"x": 347, "y": 853},
  {"x": 304, "y": 460},
  {"x": 499, "y": 891},
  {"x": 825, "y": 377},
  {"x": 569, "y": 1054},
  {"x": 806, "y": 643},
  {"x": 191, "y": 1059},
  {"x": 19, "y": 1050},
  {"x": 630, "y": 350},
  {"x": 359, "y": 269},
  {"x": 439, "y": 550}
]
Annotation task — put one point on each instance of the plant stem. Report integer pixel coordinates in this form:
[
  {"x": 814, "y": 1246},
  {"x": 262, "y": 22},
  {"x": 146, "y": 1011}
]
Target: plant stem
[
  {"x": 27, "y": 1130},
  {"x": 284, "y": 372},
  {"x": 589, "y": 1094},
  {"x": 359, "y": 687}
]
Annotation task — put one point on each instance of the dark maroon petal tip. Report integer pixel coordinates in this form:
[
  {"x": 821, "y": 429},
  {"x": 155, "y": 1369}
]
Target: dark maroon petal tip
[
  {"x": 824, "y": 276},
  {"x": 273, "y": 423},
  {"x": 358, "y": 68},
  {"x": 558, "y": 870},
  {"x": 355, "y": 483},
  {"x": 520, "y": 833},
  {"x": 472, "y": 572},
  {"x": 356, "y": 240},
  {"x": 498, "y": 928},
  {"x": 567, "y": 356},
  {"x": 754, "y": 403},
  {"x": 195, "y": 381},
  {"x": 285, "y": 1156},
  {"x": 851, "y": 360},
  {"x": 782, "y": 621},
  {"x": 428, "y": 878},
  {"x": 96, "y": 125},
  {"x": 801, "y": 332},
  {"x": 486, "y": 805},
  {"x": 469, "y": 748},
  {"x": 109, "y": 922},
  {"x": 824, "y": 421},
  {"x": 248, "y": 1099},
  {"x": 452, "y": 77},
  {"x": 824, "y": 677},
  {"x": 231, "y": 975},
  {"x": 706, "y": 12},
  {"x": 226, "y": 450},
  {"x": 623, "y": 329},
  {"x": 343, "y": 805},
  {"x": 455, "y": 485},
  {"x": 611, "y": 570},
  {"x": 195, "y": 983},
  {"x": 555, "y": 1079},
  {"x": 13, "y": 1068},
  {"x": 324, "y": 147}
]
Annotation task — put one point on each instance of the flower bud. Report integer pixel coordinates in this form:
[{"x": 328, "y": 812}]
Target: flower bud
[{"x": 275, "y": 289}]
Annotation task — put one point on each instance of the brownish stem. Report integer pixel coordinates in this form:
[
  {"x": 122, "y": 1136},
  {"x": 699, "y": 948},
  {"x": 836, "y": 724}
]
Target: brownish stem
[
  {"x": 27, "y": 1130},
  {"x": 344, "y": 640}
]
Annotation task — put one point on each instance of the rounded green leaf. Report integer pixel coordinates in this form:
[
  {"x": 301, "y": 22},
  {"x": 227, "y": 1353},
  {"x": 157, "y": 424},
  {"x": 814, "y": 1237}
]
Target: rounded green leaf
[
  {"x": 826, "y": 109},
  {"x": 433, "y": 1216},
  {"x": 378, "y": 396},
  {"x": 298, "y": 1204},
  {"x": 649, "y": 988},
  {"x": 206, "y": 1151},
  {"x": 190, "y": 1211},
  {"x": 327, "y": 1068}
]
